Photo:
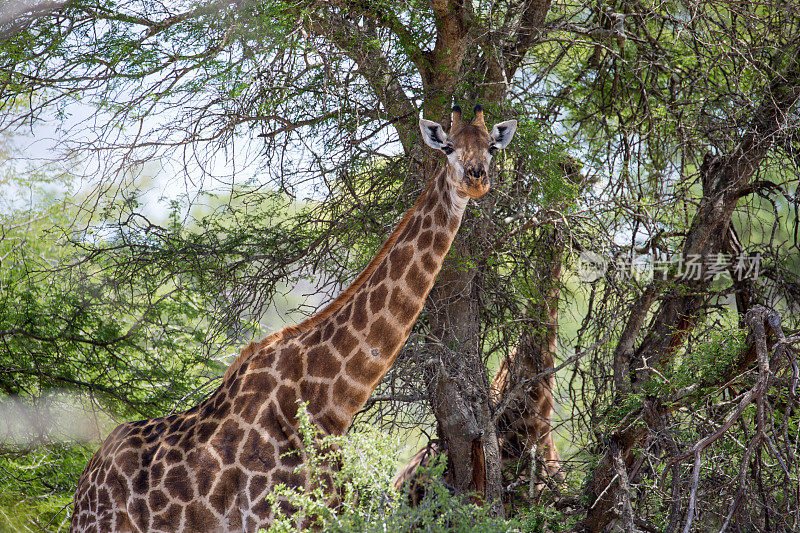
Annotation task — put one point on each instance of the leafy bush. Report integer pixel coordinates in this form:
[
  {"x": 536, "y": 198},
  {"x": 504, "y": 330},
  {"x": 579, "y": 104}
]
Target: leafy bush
[
  {"x": 365, "y": 461},
  {"x": 36, "y": 486}
]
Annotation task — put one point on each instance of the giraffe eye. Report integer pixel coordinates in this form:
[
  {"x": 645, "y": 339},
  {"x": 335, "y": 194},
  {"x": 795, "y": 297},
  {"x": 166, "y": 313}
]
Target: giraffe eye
[
  {"x": 492, "y": 149},
  {"x": 447, "y": 149}
]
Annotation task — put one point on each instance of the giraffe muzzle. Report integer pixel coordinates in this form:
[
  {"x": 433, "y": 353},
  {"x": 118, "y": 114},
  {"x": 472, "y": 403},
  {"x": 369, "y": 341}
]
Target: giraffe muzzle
[{"x": 475, "y": 182}]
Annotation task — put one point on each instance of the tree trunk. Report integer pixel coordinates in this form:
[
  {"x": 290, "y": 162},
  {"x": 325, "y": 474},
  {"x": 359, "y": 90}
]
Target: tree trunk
[{"x": 458, "y": 386}]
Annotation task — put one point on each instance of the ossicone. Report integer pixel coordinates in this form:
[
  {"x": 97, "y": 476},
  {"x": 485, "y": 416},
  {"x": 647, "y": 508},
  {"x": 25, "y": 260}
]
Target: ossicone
[
  {"x": 456, "y": 122},
  {"x": 478, "y": 120}
]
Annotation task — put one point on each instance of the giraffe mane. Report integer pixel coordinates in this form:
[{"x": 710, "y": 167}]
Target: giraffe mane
[{"x": 336, "y": 304}]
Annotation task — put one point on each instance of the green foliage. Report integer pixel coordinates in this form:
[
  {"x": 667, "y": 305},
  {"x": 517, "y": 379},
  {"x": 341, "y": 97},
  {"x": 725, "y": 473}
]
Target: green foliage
[
  {"x": 77, "y": 341},
  {"x": 536, "y": 519},
  {"x": 714, "y": 358},
  {"x": 36, "y": 487},
  {"x": 67, "y": 328},
  {"x": 362, "y": 480},
  {"x": 705, "y": 364}
]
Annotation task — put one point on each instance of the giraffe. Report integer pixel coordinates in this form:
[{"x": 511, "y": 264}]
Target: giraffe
[
  {"x": 211, "y": 467},
  {"x": 525, "y": 425},
  {"x": 523, "y": 428}
]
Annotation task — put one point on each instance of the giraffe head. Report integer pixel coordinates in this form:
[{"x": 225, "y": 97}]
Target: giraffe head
[{"x": 469, "y": 149}]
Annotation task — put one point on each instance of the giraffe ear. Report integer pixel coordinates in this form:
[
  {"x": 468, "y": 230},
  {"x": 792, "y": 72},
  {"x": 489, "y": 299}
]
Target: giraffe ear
[
  {"x": 502, "y": 133},
  {"x": 433, "y": 134}
]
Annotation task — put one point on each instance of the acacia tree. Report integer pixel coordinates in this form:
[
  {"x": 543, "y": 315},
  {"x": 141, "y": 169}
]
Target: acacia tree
[
  {"x": 639, "y": 92},
  {"x": 354, "y": 74}
]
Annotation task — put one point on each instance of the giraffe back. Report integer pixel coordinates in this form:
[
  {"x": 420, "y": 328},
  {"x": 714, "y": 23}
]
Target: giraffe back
[{"x": 206, "y": 469}]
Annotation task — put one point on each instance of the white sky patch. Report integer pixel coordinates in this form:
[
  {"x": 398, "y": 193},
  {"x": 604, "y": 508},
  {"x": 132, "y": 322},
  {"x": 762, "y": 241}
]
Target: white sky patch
[{"x": 11, "y": 9}]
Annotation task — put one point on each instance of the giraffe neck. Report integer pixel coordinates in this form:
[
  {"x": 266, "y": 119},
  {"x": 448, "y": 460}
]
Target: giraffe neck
[
  {"x": 335, "y": 359},
  {"x": 382, "y": 312}
]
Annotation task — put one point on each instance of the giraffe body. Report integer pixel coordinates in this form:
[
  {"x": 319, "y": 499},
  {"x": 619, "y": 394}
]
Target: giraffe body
[
  {"x": 525, "y": 425},
  {"x": 210, "y": 468}
]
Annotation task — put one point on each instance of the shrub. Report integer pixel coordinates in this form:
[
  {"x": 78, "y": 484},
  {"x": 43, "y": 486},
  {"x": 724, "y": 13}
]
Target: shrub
[{"x": 365, "y": 461}]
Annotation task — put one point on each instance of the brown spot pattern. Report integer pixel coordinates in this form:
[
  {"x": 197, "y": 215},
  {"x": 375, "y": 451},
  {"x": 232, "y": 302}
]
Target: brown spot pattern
[
  {"x": 169, "y": 518},
  {"x": 425, "y": 240},
  {"x": 417, "y": 281},
  {"x": 322, "y": 363},
  {"x": 287, "y": 401},
  {"x": 225, "y": 441},
  {"x": 227, "y": 489},
  {"x": 316, "y": 394},
  {"x": 259, "y": 382},
  {"x": 360, "y": 311},
  {"x": 378, "y": 298},
  {"x": 158, "y": 500},
  {"x": 178, "y": 484},
  {"x": 400, "y": 257},
  {"x": 258, "y": 455},
  {"x": 344, "y": 342},
  {"x": 402, "y": 307},
  {"x": 198, "y": 518},
  {"x": 128, "y": 462},
  {"x": 290, "y": 366},
  {"x": 441, "y": 243},
  {"x": 429, "y": 263}
]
